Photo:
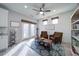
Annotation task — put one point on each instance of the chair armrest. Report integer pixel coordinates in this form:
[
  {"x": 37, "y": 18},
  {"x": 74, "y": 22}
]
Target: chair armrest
[{"x": 52, "y": 37}]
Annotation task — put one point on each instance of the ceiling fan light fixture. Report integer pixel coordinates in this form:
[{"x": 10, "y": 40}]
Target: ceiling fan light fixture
[{"x": 41, "y": 12}]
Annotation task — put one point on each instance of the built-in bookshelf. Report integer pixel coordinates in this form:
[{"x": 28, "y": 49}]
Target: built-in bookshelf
[
  {"x": 75, "y": 22},
  {"x": 75, "y": 29},
  {"x": 75, "y": 32},
  {"x": 76, "y": 37},
  {"x": 12, "y": 38}
]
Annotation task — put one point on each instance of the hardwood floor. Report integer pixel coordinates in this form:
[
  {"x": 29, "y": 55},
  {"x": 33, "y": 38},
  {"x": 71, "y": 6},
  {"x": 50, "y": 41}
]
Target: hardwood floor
[
  {"x": 67, "y": 47},
  {"x": 23, "y": 50}
]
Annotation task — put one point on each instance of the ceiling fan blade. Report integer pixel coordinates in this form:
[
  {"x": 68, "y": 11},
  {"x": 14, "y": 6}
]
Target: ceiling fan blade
[
  {"x": 35, "y": 10},
  {"x": 40, "y": 9},
  {"x": 47, "y": 10},
  {"x": 43, "y": 5},
  {"x": 37, "y": 14}
]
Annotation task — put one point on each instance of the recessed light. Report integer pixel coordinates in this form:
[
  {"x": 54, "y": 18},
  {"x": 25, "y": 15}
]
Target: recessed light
[
  {"x": 25, "y": 6},
  {"x": 54, "y": 10}
]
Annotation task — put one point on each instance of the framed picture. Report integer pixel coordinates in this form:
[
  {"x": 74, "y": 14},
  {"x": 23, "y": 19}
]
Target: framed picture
[{"x": 14, "y": 24}]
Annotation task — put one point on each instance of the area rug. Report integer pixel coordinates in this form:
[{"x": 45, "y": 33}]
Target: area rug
[{"x": 56, "y": 50}]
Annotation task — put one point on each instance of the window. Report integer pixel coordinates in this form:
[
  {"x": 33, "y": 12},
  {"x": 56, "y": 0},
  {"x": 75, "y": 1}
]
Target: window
[
  {"x": 45, "y": 22},
  {"x": 28, "y": 30},
  {"x": 32, "y": 28},
  {"x": 55, "y": 20}
]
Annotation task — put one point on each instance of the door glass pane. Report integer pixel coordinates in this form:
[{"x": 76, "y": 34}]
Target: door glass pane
[
  {"x": 32, "y": 29},
  {"x": 25, "y": 30}
]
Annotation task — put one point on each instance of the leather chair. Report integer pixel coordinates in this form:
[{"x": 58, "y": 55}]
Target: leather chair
[
  {"x": 44, "y": 34},
  {"x": 56, "y": 37},
  {"x": 46, "y": 42}
]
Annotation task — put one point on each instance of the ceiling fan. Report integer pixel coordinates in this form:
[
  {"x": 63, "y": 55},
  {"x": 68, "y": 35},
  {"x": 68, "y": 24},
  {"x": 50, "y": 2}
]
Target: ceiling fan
[{"x": 42, "y": 10}]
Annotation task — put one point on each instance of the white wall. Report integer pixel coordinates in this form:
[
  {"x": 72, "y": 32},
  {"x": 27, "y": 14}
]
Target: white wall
[
  {"x": 3, "y": 29},
  {"x": 64, "y": 25},
  {"x": 14, "y": 16}
]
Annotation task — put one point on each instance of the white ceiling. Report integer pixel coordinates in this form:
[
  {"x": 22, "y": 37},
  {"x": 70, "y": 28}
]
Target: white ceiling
[{"x": 19, "y": 7}]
